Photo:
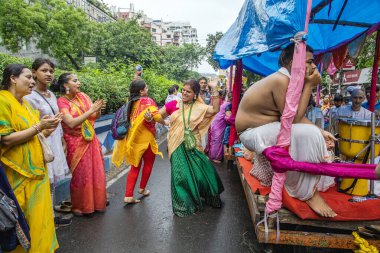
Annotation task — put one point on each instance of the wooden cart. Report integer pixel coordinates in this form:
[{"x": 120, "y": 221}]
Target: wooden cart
[{"x": 307, "y": 233}]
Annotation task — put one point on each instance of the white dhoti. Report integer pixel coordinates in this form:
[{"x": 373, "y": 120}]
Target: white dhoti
[{"x": 307, "y": 145}]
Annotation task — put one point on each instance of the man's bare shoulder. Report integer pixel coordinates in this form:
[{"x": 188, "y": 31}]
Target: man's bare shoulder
[{"x": 270, "y": 82}]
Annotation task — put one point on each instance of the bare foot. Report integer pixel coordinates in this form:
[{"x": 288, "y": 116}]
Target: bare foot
[
  {"x": 144, "y": 192},
  {"x": 216, "y": 161},
  {"x": 318, "y": 204},
  {"x": 131, "y": 200}
]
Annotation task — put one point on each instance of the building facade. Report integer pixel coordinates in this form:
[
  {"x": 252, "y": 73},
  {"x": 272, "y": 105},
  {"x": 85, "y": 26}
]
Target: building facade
[{"x": 163, "y": 33}]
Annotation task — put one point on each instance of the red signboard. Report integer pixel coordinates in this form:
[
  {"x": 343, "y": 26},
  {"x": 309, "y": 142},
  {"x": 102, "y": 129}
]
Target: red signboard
[{"x": 349, "y": 77}]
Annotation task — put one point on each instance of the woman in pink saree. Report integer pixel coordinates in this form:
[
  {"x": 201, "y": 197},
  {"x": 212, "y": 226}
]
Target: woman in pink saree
[{"x": 84, "y": 153}]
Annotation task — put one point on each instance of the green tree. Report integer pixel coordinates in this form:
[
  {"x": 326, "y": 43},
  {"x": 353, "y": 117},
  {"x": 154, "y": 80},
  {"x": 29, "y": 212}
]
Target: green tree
[
  {"x": 125, "y": 41},
  {"x": 59, "y": 30},
  {"x": 365, "y": 59},
  {"x": 212, "y": 40},
  {"x": 178, "y": 62}
]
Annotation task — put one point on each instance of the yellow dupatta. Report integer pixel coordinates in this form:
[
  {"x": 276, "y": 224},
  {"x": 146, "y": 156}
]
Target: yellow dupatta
[
  {"x": 133, "y": 146},
  {"x": 26, "y": 158},
  {"x": 199, "y": 124},
  {"x": 26, "y": 172}
]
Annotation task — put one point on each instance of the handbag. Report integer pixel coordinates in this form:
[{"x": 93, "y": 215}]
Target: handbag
[
  {"x": 8, "y": 213},
  {"x": 189, "y": 139},
  {"x": 46, "y": 150}
]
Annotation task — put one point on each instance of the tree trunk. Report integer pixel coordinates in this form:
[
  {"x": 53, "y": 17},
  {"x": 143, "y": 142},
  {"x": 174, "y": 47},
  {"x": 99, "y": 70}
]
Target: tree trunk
[{"x": 73, "y": 61}]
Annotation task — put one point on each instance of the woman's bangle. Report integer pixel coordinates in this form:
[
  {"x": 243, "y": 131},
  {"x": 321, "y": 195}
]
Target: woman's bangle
[{"x": 37, "y": 128}]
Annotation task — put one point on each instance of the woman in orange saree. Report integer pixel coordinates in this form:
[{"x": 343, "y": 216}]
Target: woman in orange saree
[
  {"x": 140, "y": 143},
  {"x": 84, "y": 153}
]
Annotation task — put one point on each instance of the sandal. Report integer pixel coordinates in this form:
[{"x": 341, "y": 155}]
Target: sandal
[
  {"x": 131, "y": 200},
  {"x": 144, "y": 192},
  {"x": 62, "y": 208}
]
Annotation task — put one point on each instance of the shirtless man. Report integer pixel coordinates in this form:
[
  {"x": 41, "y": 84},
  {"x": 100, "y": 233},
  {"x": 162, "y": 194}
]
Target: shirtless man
[{"x": 258, "y": 124}]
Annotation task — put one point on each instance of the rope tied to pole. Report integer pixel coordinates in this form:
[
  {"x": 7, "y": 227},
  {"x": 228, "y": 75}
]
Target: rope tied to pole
[{"x": 298, "y": 37}]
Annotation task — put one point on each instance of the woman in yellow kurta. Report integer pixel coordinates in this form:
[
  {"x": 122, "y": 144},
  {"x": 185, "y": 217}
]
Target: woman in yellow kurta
[
  {"x": 22, "y": 157},
  {"x": 140, "y": 142}
]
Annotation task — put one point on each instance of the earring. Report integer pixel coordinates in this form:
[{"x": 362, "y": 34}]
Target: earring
[{"x": 67, "y": 90}]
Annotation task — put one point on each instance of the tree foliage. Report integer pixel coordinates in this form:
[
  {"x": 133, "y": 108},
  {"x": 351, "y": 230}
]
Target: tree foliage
[
  {"x": 365, "y": 59},
  {"x": 179, "y": 62},
  {"x": 124, "y": 41},
  {"x": 212, "y": 40},
  {"x": 59, "y": 30}
]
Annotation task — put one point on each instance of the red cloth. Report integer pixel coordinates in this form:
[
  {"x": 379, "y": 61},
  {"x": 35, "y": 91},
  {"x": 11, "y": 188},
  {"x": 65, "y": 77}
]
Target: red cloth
[
  {"x": 339, "y": 55},
  {"x": 236, "y": 99},
  {"x": 347, "y": 211}
]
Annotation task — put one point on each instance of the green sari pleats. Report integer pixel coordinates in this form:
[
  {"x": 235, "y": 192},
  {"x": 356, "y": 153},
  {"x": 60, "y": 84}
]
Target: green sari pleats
[{"x": 194, "y": 180}]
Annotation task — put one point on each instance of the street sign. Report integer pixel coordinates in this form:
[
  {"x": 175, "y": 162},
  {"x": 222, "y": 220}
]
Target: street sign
[
  {"x": 348, "y": 64},
  {"x": 89, "y": 59}
]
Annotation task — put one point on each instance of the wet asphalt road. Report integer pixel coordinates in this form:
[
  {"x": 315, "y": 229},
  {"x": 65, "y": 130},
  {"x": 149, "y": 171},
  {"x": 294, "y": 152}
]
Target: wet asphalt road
[{"x": 150, "y": 226}]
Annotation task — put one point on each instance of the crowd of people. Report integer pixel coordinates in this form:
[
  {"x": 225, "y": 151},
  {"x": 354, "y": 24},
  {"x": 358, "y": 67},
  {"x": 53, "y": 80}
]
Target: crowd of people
[
  {"x": 36, "y": 125},
  {"x": 45, "y": 138}
]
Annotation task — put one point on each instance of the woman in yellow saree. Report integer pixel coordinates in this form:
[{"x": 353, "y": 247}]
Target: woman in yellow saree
[
  {"x": 194, "y": 179},
  {"x": 140, "y": 143},
  {"x": 22, "y": 157}
]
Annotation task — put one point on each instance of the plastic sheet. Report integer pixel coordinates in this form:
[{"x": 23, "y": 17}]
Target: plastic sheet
[{"x": 264, "y": 26}]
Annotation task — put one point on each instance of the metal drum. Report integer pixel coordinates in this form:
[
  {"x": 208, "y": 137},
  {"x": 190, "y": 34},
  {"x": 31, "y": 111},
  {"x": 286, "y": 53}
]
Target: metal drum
[{"x": 354, "y": 135}]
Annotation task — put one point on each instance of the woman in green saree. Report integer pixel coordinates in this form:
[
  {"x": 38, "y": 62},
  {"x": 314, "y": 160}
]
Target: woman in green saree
[{"x": 194, "y": 179}]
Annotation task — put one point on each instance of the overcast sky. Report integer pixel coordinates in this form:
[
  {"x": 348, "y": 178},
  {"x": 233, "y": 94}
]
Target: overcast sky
[{"x": 208, "y": 16}]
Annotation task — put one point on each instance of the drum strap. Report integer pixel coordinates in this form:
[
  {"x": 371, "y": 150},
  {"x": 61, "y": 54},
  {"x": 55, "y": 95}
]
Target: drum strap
[{"x": 353, "y": 184}]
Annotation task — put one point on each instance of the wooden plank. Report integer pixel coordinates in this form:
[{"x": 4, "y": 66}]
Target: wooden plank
[
  {"x": 308, "y": 239},
  {"x": 254, "y": 211},
  {"x": 287, "y": 217}
]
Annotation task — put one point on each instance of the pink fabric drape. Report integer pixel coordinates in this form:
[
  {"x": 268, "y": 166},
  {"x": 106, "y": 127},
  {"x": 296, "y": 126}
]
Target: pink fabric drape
[
  {"x": 281, "y": 162},
  {"x": 375, "y": 70},
  {"x": 235, "y": 99},
  {"x": 293, "y": 95}
]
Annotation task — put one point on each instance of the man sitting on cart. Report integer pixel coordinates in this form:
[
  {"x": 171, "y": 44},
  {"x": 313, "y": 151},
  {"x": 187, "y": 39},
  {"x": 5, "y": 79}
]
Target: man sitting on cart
[{"x": 258, "y": 124}]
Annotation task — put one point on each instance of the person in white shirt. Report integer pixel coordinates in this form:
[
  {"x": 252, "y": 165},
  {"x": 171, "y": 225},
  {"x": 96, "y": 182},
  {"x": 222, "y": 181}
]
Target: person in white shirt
[{"x": 355, "y": 110}]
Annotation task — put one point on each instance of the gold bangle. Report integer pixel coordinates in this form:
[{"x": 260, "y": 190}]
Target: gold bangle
[{"x": 37, "y": 128}]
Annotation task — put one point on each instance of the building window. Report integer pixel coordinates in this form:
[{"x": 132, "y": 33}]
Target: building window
[
  {"x": 154, "y": 30},
  {"x": 168, "y": 36}
]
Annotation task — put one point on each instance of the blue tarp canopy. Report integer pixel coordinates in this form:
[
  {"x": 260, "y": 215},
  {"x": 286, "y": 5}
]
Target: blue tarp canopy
[{"x": 265, "y": 26}]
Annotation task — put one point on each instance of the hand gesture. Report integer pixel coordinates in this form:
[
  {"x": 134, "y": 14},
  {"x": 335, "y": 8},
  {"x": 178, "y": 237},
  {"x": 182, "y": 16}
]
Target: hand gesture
[
  {"x": 213, "y": 84},
  {"x": 48, "y": 122},
  {"x": 98, "y": 104},
  {"x": 148, "y": 116},
  {"x": 312, "y": 79},
  {"x": 329, "y": 138}
]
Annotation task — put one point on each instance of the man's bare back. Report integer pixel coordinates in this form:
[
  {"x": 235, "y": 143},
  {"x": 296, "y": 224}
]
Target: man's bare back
[{"x": 263, "y": 102}]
